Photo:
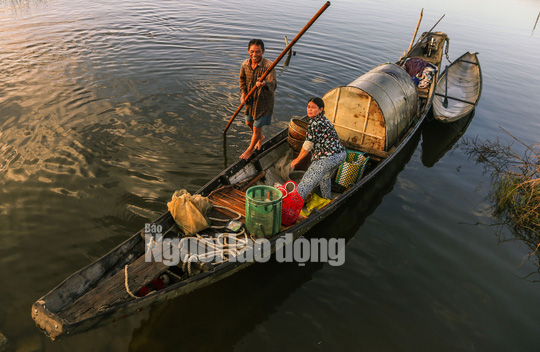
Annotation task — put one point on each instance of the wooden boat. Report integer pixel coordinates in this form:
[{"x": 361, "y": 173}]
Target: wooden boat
[
  {"x": 459, "y": 89},
  {"x": 380, "y": 114}
]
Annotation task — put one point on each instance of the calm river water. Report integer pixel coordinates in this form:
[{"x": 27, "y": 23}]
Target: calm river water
[{"x": 108, "y": 107}]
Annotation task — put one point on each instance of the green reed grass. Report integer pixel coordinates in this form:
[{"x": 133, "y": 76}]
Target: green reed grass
[{"x": 516, "y": 185}]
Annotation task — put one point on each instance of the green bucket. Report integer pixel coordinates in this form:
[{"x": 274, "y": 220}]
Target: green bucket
[{"x": 263, "y": 210}]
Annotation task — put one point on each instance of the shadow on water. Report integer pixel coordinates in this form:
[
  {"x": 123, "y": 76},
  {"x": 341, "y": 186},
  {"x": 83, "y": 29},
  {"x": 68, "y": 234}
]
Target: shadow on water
[
  {"x": 438, "y": 138},
  {"x": 219, "y": 316}
]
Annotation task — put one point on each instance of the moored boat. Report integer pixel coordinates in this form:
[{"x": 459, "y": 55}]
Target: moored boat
[
  {"x": 378, "y": 115},
  {"x": 458, "y": 89}
]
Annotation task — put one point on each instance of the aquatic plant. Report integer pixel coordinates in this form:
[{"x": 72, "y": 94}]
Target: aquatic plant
[{"x": 515, "y": 190}]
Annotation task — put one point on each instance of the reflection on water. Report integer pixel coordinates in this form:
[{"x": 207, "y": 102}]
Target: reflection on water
[
  {"x": 224, "y": 313},
  {"x": 438, "y": 138},
  {"x": 16, "y": 5}
]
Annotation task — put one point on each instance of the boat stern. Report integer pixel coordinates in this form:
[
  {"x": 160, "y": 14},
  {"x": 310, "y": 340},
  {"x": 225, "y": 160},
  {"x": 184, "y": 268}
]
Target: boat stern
[{"x": 47, "y": 321}]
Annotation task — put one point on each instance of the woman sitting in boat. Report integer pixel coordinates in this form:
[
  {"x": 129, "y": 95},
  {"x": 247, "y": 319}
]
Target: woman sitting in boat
[{"x": 326, "y": 149}]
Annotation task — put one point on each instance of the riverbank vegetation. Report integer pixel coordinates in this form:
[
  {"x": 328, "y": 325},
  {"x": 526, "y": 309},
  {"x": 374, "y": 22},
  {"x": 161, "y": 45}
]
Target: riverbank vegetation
[{"x": 515, "y": 192}]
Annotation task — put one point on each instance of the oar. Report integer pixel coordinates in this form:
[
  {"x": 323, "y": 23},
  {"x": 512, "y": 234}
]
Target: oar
[
  {"x": 445, "y": 101},
  {"x": 416, "y": 30},
  {"x": 276, "y": 61}
]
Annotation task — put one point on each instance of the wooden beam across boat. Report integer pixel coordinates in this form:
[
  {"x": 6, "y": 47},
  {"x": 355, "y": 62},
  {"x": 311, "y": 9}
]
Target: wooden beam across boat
[
  {"x": 470, "y": 62},
  {"x": 453, "y": 98}
]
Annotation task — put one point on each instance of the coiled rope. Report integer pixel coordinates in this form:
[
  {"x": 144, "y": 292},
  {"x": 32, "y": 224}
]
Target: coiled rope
[
  {"x": 219, "y": 248},
  {"x": 219, "y": 245}
]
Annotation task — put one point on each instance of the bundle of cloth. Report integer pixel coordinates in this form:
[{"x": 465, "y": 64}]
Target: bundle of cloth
[
  {"x": 190, "y": 212},
  {"x": 421, "y": 71}
]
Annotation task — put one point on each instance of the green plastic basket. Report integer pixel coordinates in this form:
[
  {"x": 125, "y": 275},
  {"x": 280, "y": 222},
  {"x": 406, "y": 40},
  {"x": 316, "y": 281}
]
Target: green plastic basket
[{"x": 263, "y": 210}]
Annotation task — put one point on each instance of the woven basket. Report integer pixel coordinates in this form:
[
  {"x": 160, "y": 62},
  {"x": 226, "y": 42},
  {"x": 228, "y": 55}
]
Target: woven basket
[
  {"x": 296, "y": 144},
  {"x": 298, "y": 129},
  {"x": 352, "y": 169}
]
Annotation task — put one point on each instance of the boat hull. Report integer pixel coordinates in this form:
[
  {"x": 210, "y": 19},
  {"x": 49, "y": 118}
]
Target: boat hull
[
  {"x": 458, "y": 90},
  {"x": 366, "y": 189},
  {"x": 51, "y": 311}
]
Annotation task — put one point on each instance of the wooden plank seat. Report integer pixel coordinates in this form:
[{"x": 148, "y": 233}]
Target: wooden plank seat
[
  {"x": 228, "y": 197},
  {"x": 423, "y": 92}
]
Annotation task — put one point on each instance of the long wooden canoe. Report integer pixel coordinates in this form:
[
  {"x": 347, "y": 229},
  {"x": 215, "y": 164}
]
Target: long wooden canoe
[
  {"x": 458, "y": 89},
  {"x": 109, "y": 288}
]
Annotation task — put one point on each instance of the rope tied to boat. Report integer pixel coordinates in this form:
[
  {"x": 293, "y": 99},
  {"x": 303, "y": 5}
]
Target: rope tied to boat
[
  {"x": 220, "y": 247},
  {"x": 446, "y": 50},
  {"x": 126, "y": 283}
]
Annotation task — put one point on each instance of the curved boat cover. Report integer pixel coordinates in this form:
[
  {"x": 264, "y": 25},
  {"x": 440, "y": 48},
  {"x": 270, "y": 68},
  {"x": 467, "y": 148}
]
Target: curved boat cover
[{"x": 375, "y": 109}]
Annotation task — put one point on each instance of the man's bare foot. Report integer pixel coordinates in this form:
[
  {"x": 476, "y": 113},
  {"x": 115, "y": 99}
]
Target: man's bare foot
[
  {"x": 260, "y": 142},
  {"x": 247, "y": 154}
]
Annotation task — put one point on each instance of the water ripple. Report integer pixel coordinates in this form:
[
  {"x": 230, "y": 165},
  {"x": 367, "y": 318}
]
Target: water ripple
[{"x": 109, "y": 107}]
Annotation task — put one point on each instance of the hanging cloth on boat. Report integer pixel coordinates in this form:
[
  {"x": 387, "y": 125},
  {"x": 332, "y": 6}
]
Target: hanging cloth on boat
[
  {"x": 190, "y": 212},
  {"x": 415, "y": 66}
]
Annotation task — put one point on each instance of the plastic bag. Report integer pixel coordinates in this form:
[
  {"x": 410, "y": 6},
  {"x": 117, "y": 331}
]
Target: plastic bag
[
  {"x": 283, "y": 165},
  {"x": 315, "y": 203}
]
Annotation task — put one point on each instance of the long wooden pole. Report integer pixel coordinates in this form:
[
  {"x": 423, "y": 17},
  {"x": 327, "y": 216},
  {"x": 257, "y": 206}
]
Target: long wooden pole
[
  {"x": 435, "y": 25},
  {"x": 276, "y": 61},
  {"x": 416, "y": 30},
  {"x": 535, "y": 23},
  {"x": 423, "y": 35}
]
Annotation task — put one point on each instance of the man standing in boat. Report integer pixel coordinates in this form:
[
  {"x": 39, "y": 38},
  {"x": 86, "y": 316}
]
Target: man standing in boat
[{"x": 260, "y": 105}]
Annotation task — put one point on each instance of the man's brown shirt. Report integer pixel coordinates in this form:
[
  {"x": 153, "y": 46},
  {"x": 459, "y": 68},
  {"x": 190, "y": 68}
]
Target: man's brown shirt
[{"x": 261, "y": 102}]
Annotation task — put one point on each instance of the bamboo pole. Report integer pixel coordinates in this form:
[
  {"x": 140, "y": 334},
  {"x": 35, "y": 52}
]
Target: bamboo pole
[{"x": 416, "y": 29}]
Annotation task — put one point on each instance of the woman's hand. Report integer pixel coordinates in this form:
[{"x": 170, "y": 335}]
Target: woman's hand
[
  {"x": 294, "y": 163},
  {"x": 301, "y": 156}
]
